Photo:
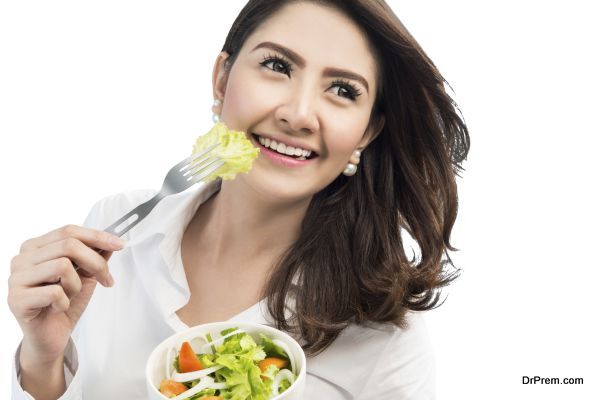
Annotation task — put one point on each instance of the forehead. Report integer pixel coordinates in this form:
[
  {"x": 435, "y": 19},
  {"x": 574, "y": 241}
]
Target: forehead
[{"x": 323, "y": 36}]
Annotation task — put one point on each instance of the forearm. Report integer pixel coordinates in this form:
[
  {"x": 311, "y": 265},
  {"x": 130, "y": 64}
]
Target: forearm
[{"x": 44, "y": 381}]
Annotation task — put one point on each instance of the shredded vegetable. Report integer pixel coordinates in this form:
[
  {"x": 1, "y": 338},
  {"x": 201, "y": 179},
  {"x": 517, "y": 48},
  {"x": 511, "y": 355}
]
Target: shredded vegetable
[{"x": 232, "y": 367}]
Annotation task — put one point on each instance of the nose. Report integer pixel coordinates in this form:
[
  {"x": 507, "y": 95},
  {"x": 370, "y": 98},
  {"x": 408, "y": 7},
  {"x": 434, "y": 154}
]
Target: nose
[{"x": 298, "y": 113}]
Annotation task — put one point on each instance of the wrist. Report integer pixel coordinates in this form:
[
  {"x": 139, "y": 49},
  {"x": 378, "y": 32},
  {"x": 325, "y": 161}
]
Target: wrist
[{"x": 32, "y": 353}]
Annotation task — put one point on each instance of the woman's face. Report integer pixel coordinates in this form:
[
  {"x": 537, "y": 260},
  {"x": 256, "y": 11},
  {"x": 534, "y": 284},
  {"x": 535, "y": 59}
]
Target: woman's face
[{"x": 305, "y": 79}]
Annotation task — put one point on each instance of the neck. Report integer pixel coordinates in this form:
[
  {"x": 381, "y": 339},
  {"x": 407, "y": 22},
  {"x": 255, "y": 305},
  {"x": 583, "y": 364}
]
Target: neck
[{"x": 238, "y": 226}]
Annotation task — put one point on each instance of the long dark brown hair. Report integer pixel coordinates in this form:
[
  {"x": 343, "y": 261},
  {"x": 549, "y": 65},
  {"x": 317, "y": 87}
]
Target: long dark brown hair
[{"x": 349, "y": 260}]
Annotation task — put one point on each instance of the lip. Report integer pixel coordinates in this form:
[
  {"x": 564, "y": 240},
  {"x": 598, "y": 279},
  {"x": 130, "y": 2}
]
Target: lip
[
  {"x": 287, "y": 142},
  {"x": 280, "y": 159}
]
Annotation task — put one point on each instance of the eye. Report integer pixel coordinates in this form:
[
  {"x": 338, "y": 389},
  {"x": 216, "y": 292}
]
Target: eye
[
  {"x": 279, "y": 64},
  {"x": 346, "y": 89}
]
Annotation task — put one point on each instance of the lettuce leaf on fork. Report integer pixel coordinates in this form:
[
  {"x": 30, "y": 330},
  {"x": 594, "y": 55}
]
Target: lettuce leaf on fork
[{"x": 235, "y": 149}]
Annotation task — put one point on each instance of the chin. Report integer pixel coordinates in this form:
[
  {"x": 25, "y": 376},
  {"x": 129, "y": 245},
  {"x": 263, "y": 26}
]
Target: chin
[{"x": 282, "y": 189}]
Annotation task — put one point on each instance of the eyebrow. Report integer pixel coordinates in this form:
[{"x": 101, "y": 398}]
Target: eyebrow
[{"x": 297, "y": 59}]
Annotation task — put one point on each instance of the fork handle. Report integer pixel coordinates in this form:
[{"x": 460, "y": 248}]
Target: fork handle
[{"x": 123, "y": 224}]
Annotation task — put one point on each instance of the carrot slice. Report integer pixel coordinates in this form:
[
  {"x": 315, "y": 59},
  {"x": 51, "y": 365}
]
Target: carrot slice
[
  {"x": 278, "y": 362},
  {"x": 188, "y": 361},
  {"x": 171, "y": 388}
]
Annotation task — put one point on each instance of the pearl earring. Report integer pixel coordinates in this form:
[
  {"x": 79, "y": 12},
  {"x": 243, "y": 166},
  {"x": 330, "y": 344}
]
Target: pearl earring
[
  {"x": 352, "y": 166},
  {"x": 216, "y": 118},
  {"x": 350, "y": 169}
]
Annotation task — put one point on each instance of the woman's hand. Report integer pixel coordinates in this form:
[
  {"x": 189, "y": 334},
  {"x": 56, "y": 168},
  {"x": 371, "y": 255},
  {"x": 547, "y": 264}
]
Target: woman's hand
[{"x": 48, "y": 295}]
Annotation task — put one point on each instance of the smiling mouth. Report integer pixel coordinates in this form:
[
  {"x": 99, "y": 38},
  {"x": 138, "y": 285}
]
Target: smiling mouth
[{"x": 295, "y": 153}]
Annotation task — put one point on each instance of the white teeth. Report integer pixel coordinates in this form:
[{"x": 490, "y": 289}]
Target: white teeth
[{"x": 283, "y": 149}]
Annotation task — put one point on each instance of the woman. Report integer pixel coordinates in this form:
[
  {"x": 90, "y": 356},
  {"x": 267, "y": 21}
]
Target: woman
[{"x": 312, "y": 246}]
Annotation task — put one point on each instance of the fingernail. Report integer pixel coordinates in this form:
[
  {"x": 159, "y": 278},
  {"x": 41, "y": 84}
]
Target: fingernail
[{"x": 117, "y": 242}]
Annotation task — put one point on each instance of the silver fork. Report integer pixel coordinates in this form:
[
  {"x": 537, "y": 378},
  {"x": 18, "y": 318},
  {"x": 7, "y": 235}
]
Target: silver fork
[{"x": 179, "y": 178}]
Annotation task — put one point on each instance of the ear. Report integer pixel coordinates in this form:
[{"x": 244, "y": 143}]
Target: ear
[
  {"x": 373, "y": 130},
  {"x": 220, "y": 75}
]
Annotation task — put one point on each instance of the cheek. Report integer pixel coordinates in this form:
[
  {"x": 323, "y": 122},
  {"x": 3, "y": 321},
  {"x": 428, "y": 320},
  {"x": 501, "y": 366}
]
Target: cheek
[
  {"x": 244, "y": 101},
  {"x": 344, "y": 140},
  {"x": 345, "y": 127}
]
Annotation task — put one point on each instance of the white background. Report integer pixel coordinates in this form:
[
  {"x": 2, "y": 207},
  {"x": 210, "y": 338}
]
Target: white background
[{"x": 102, "y": 97}]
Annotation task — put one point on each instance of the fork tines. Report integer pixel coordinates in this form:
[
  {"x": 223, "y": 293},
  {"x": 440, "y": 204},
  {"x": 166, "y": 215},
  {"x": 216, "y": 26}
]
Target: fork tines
[{"x": 202, "y": 164}]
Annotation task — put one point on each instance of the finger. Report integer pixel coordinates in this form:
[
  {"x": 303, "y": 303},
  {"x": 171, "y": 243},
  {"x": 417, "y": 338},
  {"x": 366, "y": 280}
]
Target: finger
[
  {"x": 88, "y": 260},
  {"x": 59, "y": 270},
  {"x": 91, "y": 237},
  {"x": 28, "y": 303},
  {"x": 106, "y": 254}
]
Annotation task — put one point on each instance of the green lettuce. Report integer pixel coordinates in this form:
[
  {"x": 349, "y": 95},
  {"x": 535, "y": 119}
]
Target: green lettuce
[
  {"x": 239, "y": 354},
  {"x": 272, "y": 349},
  {"x": 235, "y": 149},
  {"x": 283, "y": 386}
]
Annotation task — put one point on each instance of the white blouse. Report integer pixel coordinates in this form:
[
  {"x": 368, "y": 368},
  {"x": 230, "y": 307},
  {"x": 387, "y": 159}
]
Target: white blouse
[{"x": 121, "y": 326}]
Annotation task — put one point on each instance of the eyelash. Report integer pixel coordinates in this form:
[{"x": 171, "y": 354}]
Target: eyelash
[{"x": 352, "y": 90}]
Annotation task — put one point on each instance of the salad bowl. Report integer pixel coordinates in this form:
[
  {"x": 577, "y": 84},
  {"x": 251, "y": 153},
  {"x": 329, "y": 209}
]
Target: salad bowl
[{"x": 212, "y": 341}]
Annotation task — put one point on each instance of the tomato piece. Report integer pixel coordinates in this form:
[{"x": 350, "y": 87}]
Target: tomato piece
[
  {"x": 188, "y": 361},
  {"x": 278, "y": 362},
  {"x": 171, "y": 388}
]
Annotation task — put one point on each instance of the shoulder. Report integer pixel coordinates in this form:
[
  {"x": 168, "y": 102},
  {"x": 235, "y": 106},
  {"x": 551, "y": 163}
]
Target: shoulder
[
  {"x": 381, "y": 361},
  {"x": 106, "y": 210},
  {"x": 405, "y": 368}
]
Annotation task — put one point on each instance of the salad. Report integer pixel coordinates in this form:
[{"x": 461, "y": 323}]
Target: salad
[
  {"x": 233, "y": 148},
  {"x": 232, "y": 367}
]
